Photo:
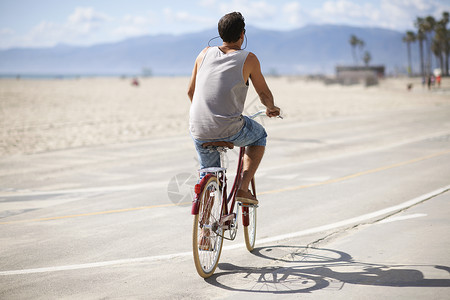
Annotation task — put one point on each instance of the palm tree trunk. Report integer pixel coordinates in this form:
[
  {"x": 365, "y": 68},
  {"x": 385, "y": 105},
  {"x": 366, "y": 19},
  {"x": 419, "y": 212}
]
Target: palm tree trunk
[
  {"x": 355, "y": 59},
  {"x": 440, "y": 62},
  {"x": 410, "y": 72},
  {"x": 428, "y": 45},
  {"x": 421, "y": 58},
  {"x": 446, "y": 56}
]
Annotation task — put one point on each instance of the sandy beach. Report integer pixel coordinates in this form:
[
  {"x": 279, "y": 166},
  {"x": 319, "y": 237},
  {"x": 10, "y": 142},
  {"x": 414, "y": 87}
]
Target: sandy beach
[{"x": 53, "y": 114}]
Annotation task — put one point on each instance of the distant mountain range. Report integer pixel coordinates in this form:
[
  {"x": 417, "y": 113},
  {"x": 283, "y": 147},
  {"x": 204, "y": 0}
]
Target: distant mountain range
[{"x": 315, "y": 49}]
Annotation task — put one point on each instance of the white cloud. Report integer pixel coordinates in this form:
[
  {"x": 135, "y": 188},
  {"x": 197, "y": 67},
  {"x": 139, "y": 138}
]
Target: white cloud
[
  {"x": 392, "y": 14},
  {"x": 185, "y": 17},
  {"x": 80, "y": 27},
  {"x": 292, "y": 13},
  {"x": 47, "y": 34},
  {"x": 400, "y": 14},
  {"x": 347, "y": 12},
  {"x": 134, "y": 25},
  {"x": 420, "y": 5},
  {"x": 129, "y": 31},
  {"x": 252, "y": 10},
  {"x": 7, "y": 31},
  {"x": 207, "y": 3},
  {"x": 46, "y": 29},
  {"x": 83, "y": 15},
  {"x": 86, "y": 25},
  {"x": 136, "y": 20},
  {"x": 85, "y": 20}
]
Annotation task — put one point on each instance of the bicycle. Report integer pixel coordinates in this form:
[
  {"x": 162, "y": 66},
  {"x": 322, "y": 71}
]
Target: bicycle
[{"x": 216, "y": 213}]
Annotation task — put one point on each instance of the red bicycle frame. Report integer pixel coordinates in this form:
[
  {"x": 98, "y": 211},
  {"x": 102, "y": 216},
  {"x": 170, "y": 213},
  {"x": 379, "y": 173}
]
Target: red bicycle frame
[{"x": 226, "y": 199}]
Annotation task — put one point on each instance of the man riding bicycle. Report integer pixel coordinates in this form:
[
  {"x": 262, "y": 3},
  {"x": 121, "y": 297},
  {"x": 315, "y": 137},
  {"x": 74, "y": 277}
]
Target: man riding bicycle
[{"x": 217, "y": 90}]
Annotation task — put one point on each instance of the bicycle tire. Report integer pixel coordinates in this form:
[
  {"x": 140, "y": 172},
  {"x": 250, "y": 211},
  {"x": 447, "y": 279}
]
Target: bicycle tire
[
  {"x": 205, "y": 228},
  {"x": 250, "y": 229}
]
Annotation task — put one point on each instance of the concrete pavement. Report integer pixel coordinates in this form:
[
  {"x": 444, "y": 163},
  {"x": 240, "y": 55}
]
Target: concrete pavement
[{"x": 351, "y": 208}]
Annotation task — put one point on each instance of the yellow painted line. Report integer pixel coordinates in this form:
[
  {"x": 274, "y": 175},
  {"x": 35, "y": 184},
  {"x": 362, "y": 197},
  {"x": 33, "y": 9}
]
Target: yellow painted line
[
  {"x": 299, "y": 187},
  {"x": 95, "y": 213},
  {"x": 293, "y": 188}
]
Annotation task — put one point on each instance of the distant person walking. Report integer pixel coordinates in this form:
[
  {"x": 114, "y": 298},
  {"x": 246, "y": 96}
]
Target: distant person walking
[{"x": 217, "y": 90}]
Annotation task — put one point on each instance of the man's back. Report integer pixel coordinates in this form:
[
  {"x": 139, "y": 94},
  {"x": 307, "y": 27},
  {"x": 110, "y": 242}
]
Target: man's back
[{"x": 220, "y": 92}]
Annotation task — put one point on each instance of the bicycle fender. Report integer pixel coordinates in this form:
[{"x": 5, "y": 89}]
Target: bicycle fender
[{"x": 197, "y": 192}]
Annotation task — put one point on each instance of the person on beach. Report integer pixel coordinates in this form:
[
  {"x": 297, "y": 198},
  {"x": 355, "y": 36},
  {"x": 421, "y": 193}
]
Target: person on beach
[{"x": 217, "y": 90}]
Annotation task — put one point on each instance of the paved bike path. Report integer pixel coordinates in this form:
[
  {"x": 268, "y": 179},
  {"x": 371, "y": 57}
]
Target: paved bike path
[{"x": 110, "y": 205}]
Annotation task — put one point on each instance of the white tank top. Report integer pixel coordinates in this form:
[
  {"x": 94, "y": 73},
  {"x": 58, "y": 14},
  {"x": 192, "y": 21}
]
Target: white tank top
[{"x": 219, "y": 96}]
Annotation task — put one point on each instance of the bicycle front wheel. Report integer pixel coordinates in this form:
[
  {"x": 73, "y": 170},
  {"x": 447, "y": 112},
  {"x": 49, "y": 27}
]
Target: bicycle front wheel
[{"x": 207, "y": 234}]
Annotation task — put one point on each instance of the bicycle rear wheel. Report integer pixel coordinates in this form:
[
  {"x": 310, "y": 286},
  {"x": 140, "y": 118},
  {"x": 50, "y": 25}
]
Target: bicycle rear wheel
[
  {"x": 249, "y": 222},
  {"x": 207, "y": 234},
  {"x": 250, "y": 230}
]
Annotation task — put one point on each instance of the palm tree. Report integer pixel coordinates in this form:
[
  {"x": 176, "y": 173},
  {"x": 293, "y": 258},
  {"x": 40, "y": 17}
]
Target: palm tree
[
  {"x": 436, "y": 48},
  {"x": 438, "y": 44},
  {"x": 445, "y": 40},
  {"x": 354, "y": 41},
  {"x": 409, "y": 38},
  {"x": 428, "y": 27},
  {"x": 361, "y": 45},
  {"x": 367, "y": 58},
  {"x": 420, "y": 37}
]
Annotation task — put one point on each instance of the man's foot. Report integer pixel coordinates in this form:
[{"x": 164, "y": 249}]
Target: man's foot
[{"x": 246, "y": 197}]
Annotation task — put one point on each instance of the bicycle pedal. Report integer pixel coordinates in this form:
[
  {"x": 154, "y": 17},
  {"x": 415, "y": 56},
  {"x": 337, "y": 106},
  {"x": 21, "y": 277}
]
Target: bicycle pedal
[
  {"x": 227, "y": 218},
  {"x": 248, "y": 205}
]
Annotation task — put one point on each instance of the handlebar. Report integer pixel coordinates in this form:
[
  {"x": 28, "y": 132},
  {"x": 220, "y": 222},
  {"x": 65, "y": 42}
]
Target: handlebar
[{"x": 261, "y": 112}]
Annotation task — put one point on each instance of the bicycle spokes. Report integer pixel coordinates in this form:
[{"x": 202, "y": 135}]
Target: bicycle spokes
[{"x": 207, "y": 234}]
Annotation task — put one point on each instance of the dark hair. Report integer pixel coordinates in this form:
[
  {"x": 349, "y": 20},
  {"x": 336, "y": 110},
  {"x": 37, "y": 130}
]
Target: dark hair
[{"x": 231, "y": 26}]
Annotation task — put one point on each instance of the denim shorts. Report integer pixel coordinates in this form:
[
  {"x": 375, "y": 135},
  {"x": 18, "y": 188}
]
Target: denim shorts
[{"x": 252, "y": 134}]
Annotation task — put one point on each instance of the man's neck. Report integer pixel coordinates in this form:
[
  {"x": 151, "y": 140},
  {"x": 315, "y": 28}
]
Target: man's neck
[{"x": 230, "y": 47}]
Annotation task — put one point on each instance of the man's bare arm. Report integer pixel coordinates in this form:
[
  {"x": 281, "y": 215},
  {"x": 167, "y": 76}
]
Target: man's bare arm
[{"x": 253, "y": 71}]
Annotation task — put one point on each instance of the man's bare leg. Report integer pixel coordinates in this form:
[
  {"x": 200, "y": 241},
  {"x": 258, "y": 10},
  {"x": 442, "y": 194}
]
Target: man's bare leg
[{"x": 252, "y": 158}]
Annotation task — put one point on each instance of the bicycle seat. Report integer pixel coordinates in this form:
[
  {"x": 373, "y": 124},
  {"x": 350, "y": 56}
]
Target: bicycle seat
[{"x": 218, "y": 144}]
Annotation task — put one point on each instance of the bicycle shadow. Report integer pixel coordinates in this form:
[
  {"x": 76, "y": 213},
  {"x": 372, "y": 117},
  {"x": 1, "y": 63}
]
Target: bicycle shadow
[{"x": 295, "y": 269}]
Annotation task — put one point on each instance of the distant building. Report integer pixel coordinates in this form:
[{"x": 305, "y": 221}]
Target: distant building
[
  {"x": 376, "y": 70},
  {"x": 355, "y": 74}
]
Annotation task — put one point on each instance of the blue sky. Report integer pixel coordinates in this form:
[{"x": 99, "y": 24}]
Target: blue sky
[{"x": 42, "y": 23}]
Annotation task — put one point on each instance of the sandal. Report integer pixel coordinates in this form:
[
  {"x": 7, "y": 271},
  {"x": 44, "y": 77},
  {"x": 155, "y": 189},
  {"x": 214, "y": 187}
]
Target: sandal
[{"x": 246, "y": 197}]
